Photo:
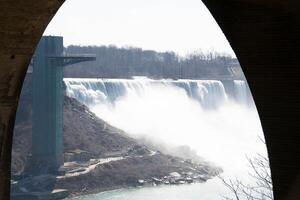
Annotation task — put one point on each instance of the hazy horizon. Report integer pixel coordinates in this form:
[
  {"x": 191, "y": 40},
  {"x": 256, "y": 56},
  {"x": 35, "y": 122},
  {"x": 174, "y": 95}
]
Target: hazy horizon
[{"x": 169, "y": 25}]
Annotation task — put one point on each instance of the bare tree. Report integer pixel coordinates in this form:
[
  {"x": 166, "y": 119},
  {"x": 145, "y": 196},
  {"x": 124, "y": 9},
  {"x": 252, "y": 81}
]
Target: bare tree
[{"x": 262, "y": 189}]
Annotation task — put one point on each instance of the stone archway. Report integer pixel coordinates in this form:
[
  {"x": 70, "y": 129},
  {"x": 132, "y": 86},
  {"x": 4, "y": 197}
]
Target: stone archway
[{"x": 263, "y": 33}]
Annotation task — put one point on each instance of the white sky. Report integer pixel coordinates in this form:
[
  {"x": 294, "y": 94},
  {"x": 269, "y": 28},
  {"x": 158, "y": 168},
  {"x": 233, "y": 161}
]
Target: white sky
[{"x": 182, "y": 26}]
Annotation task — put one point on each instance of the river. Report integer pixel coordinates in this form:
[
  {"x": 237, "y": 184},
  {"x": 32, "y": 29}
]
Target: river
[{"x": 213, "y": 189}]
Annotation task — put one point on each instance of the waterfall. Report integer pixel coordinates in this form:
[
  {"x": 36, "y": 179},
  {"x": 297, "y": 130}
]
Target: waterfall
[
  {"x": 209, "y": 93},
  {"x": 202, "y": 114},
  {"x": 242, "y": 92},
  {"x": 197, "y": 113}
]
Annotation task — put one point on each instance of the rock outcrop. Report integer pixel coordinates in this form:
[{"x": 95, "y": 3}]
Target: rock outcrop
[{"x": 98, "y": 157}]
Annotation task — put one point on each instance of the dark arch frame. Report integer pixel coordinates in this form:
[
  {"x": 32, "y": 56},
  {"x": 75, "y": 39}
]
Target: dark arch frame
[{"x": 264, "y": 35}]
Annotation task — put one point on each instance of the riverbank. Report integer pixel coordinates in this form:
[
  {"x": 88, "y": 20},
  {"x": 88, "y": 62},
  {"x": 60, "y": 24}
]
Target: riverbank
[
  {"x": 150, "y": 169},
  {"x": 105, "y": 174},
  {"x": 209, "y": 190}
]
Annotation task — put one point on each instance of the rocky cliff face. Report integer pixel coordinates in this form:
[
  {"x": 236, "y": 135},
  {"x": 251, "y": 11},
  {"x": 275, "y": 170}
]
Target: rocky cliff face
[
  {"x": 82, "y": 131},
  {"x": 100, "y": 157}
]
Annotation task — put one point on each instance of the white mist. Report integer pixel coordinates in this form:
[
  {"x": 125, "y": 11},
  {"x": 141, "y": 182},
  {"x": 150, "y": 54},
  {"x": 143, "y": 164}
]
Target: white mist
[{"x": 177, "y": 114}]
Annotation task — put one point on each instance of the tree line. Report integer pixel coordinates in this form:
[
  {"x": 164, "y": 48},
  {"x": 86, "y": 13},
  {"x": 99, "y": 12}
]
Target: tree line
[{"x": 114, "y": 62}]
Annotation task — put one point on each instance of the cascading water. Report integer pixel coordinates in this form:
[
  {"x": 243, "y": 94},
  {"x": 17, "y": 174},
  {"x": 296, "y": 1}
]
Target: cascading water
[
  {"x": 209, "y": 93},
  {"x": 241, "y": 91},
  {"x": 197, "y": 113}
]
